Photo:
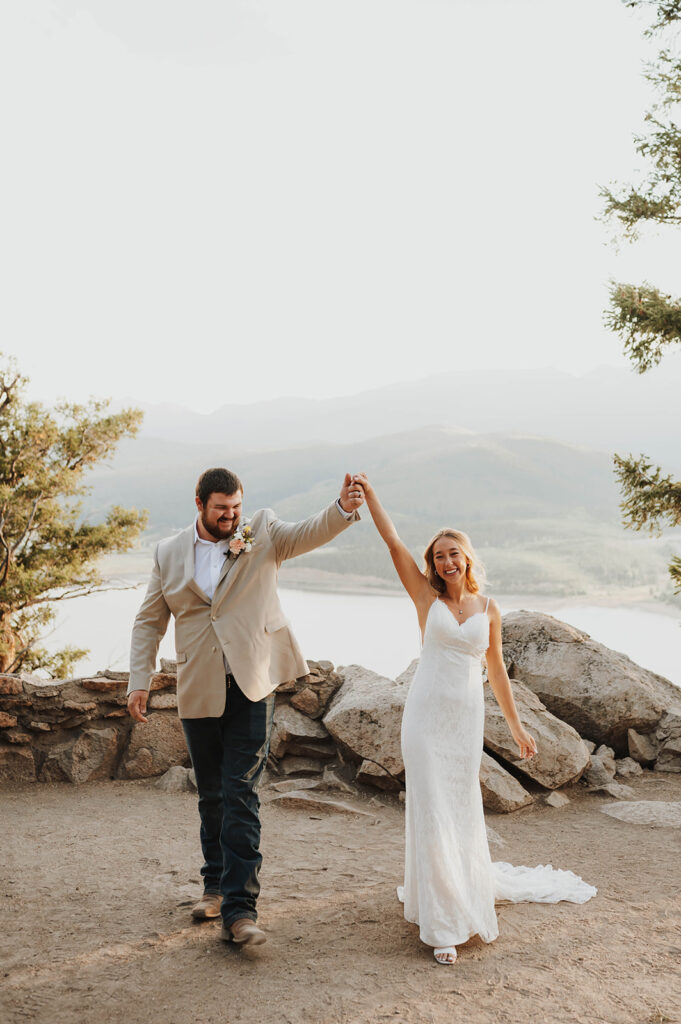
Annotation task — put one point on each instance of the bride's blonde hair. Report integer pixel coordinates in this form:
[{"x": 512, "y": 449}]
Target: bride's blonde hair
[{"x": 475, "y": 570}]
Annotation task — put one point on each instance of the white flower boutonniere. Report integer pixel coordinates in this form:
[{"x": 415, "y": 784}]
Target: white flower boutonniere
[{"x": 241, "y": 541}]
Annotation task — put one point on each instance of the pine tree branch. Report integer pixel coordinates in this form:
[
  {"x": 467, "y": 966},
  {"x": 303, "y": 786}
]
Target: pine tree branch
[
  {"x": 650, "y": 500},
  {"x": 646, "y": 320}
]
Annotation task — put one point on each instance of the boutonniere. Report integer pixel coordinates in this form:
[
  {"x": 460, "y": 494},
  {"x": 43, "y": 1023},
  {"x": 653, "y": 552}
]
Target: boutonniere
[{"x": 241, "y": 541}]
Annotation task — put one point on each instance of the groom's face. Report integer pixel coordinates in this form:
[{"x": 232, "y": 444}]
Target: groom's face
[{"x": 221, "y": 513}]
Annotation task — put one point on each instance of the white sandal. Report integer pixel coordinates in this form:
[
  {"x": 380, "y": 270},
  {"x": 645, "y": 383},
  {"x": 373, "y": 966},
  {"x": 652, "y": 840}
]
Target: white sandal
[{"x": 443, "y": 953}]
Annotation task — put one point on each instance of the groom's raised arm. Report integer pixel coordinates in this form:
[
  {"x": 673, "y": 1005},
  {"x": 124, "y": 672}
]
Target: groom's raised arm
[{"x": 291, "y": 539}]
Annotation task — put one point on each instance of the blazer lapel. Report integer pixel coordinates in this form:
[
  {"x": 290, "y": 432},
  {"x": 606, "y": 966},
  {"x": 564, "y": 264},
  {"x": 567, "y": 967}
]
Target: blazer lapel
[
  {"x": 188, "y": 553},
  {"x": 230, "y": 563},
  {"x": 230, "y": 572}
]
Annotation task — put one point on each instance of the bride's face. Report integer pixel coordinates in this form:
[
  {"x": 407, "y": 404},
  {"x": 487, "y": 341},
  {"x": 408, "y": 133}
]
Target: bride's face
[{"x": 449, "y": 560}]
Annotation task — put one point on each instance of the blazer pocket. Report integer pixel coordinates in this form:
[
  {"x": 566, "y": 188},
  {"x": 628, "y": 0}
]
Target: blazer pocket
[
  {"x": 275, "y": 624},
  {"x": 180, "y": 657}
]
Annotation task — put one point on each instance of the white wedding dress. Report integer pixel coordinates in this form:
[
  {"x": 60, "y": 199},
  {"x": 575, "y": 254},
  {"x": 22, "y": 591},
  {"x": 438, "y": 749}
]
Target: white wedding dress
[{"x": 450, "y": 881}]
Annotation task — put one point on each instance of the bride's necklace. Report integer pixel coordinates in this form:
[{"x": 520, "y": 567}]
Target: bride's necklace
[{"x": 459, "y": 611}]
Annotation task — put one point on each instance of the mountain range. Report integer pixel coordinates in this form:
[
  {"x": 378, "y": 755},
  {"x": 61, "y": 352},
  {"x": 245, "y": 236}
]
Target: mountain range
[{"x": 608, "y": 409}]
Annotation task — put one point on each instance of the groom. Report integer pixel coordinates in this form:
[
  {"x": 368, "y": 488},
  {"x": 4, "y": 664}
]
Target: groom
[{"x": 218, "y": 578}]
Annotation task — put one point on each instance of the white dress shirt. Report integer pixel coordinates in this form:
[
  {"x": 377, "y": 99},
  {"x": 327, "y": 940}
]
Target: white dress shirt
[{"x": 209, "y": 557}]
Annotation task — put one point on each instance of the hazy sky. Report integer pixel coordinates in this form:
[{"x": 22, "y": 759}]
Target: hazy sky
[{"x": 232, "y": 200}]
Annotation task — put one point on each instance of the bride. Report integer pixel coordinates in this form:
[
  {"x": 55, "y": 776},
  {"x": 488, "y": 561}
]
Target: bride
[{"x": 450, "y": 882}]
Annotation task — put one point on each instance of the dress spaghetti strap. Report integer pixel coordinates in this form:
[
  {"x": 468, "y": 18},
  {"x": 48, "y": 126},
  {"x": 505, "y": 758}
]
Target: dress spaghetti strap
[{"x": 486, "y": 606}]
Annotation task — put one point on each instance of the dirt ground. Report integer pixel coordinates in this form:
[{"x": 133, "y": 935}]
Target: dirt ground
[{"x": 97, "y": 882}]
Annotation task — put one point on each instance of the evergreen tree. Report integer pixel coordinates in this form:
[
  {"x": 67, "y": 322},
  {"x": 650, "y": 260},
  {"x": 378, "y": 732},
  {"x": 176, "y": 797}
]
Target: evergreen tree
[
  {"x": 647, "y": 320},
  {"x": 47, "y": 552}
]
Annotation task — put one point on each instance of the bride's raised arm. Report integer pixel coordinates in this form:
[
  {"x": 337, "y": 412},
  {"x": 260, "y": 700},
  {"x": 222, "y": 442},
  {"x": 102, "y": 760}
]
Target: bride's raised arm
[{"x": 411, "y": 577}]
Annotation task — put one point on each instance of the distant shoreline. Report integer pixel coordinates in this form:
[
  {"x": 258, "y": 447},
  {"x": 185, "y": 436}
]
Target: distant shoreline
[{"x": 132, "y": 570}]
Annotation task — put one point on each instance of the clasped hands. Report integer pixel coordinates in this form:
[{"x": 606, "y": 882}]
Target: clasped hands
[{"x": 351, "y": 494}]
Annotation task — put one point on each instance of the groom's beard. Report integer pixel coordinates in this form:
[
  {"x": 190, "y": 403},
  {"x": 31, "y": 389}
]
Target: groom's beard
[{"x": 221, "y": 530}]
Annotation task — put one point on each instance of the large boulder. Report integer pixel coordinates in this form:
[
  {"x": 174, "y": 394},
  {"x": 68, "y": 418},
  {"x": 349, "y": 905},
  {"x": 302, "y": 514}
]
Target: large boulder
[
  {"x": 154, "y": 747},
  {"x": 561, "y": 754},
  {"x": 599, "y": 692},
  {"x": 500, "y": 791},
  {"x": 365, "y": 719},
  {"x": 83, "y": 758}
]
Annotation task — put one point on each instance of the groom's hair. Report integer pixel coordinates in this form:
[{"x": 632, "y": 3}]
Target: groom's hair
[{"x": 217, "y": 481}]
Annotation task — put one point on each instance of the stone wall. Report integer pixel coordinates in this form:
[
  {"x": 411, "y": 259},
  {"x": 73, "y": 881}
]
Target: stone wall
[{"x": 79, "y": 730}]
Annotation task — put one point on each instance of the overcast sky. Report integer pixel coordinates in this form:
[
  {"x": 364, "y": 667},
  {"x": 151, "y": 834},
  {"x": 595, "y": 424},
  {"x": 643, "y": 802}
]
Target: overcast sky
[{"x": 233, "y": 200}]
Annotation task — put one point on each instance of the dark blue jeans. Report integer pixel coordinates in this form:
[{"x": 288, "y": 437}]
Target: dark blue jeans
[{"x": 229, "y": 755}]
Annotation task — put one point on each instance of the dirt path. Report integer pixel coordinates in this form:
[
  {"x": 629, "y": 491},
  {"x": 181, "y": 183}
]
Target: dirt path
[{"x": 96, "y": 883}]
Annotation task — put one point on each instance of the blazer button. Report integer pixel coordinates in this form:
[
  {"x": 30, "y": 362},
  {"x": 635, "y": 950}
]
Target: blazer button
[
  {"x": 214, "y": 650},
  {"x": 213, "y": 618}
]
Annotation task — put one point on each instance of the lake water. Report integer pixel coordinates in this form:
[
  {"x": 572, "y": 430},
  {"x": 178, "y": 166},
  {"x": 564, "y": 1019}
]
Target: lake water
[{"x": 377, "y": 631}]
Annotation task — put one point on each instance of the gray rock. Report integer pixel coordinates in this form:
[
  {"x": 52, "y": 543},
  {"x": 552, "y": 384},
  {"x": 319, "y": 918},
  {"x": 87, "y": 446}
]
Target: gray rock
[
  {"x": 17, "y": 764},
  {"x": 291, "y": 726},
  {"x": 561, "y": 754},
  {"x": 301, "y": 766},
  {"x": 600, "y": 692},
  {"x": 365, "y": 718},
  {"x": 162, "y": 701},
  {"x": 307, "y": 701},
  {"x": 154, "y": 747},
  {"x": 590, "y": 745},
  {"x": 617, "y": 790},
  {"x": 607, "y": 756},
  {"x": 599, "y": 773},
  {"x": 311, "y": 748},
  {"x": 370, "y": 774},
  {"x": 500, "y": 791},
  {"x": 304, "y": 800},
  {"x": 176, "y": 780},
  {"x": 290, "y": 785},
  {"x": 626, "y": 768},
  {"x": 85, "y": 757},
  {"x": 333, "y": 780},
  {"x": 668, "y": 736},
  {"x": 658, "y": 813},
  {"x": 668, "y": 762},
  {"x": 557, "y": 800},
  {"x": 642, "y": 747}
]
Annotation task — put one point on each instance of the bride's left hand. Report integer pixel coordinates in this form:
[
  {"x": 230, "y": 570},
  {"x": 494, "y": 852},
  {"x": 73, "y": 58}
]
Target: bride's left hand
[{"x": 526, "y": 742}]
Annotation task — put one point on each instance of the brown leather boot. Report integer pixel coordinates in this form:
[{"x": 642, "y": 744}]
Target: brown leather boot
[
  {"x": 244, "y": 931},
  {"x": 208, "y": 906}
]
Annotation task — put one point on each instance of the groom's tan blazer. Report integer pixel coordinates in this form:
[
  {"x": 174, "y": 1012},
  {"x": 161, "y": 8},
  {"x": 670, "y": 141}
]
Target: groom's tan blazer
[{"x": 244, "y": 621}]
